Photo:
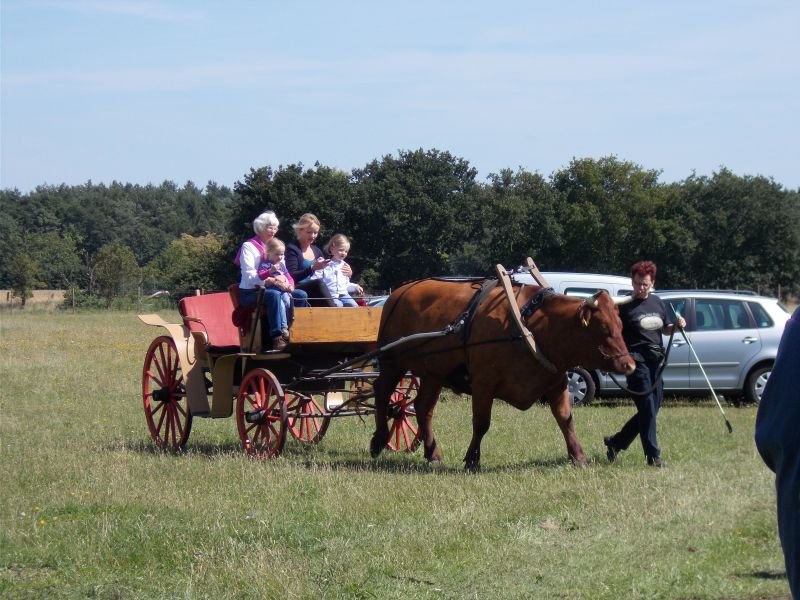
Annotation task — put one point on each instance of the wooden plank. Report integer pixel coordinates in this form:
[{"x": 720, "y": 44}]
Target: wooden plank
[
  {"x": 505, "y": 281},
  {"x": 326, "y": 325},
  {"x": 535, "y": 273}
]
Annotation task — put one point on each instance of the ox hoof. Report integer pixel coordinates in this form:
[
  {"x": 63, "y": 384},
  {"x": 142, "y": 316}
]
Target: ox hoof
[
  {"x": 579, "y": 463},
  {"x": 472, "y": 467},
  {"x": 375, "y": 447}
]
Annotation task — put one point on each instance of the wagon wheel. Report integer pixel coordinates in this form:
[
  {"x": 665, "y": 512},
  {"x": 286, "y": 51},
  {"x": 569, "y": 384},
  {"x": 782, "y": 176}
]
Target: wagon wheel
[
  {"x": 261, "y": 414},
  {"x": 166, "y": 408},
  {"x": 309, "y": 430},
  {"x": 403, "y": 434}
]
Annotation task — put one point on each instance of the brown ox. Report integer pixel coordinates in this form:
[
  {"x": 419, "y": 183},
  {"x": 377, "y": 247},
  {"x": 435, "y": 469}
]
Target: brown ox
[{"x": 493, "y": 360}]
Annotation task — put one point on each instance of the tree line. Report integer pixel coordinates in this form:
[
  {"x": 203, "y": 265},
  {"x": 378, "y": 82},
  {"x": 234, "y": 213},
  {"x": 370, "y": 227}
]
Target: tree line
[{"x": 415, "y": 214}]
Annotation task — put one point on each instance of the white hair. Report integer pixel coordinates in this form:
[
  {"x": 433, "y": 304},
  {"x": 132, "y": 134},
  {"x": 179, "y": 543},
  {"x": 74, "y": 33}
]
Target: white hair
[{"x": 264, "y": 220}]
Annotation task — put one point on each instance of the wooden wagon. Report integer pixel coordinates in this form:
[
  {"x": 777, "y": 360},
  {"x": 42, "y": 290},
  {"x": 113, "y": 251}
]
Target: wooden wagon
[{"x": 206, "y": 367}]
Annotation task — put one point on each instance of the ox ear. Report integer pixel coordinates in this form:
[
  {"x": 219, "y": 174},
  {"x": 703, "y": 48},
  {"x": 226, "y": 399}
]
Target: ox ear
[{"x": 622, "y": 299}]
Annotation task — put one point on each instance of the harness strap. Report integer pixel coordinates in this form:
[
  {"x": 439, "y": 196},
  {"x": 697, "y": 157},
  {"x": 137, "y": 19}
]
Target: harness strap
[
  {"x": 535, "y": 303},
  {"x": 477, "y": 299}
]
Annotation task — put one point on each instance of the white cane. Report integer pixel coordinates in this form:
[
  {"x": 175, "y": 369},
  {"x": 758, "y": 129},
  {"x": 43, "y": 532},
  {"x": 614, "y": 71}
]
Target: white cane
[{"x": 703, "y": 371}]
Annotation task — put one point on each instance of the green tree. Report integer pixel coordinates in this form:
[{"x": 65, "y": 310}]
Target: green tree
[
  {"x": 612, "y": 214},
  {"x": 116, "y": 272},
  {"x": 747, "y": 231},
  {"x": 58, "y": 257},
  {"x": 188, "y": 263},
  {"x": 10, "y": 241},
  {"x": 25, "y": 275},
  {"x": 291, "y": 191},
  {"x": 517, "y": 216},
  {"x": 412, "y": 212}
]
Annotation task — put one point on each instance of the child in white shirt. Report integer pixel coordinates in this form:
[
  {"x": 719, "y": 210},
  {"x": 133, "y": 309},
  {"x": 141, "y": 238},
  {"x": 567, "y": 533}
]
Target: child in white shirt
[{"x": 337, "y": 282}]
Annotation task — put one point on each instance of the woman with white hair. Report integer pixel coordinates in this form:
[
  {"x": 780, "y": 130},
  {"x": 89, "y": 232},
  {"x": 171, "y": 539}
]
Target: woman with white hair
[{"x": 250, "y": 255}]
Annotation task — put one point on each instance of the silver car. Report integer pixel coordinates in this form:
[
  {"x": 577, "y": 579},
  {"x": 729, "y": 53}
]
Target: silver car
[{"x": 735, "y": 336}]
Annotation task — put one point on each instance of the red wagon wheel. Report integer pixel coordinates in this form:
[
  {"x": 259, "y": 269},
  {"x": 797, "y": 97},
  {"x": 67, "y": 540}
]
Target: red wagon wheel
[
  {"x": 304, "y": 427},
  {"x": 403, "y": 434},
  {"x": 261, "y": 414},
  {"x": 166, "y": 408}
]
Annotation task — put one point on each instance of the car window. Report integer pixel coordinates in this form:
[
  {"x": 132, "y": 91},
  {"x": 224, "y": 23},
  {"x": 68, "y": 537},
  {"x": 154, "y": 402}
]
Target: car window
[
  {"x": 739, "y": 317},
  {"x": 760, "y": 315},
  {"x": 674, "y": 305},
  {"x": 713, "y": 315},
  {"x": 583, "y": 292}
]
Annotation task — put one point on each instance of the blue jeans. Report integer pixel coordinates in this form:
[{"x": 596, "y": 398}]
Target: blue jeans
[
  {"x": 643, "y": 423},
  {"x": 278, "y": 309},
  {"x": 274, "y": 310},
  {"x": 300, "y": 298},
  {"x": 344, "y": 300}
]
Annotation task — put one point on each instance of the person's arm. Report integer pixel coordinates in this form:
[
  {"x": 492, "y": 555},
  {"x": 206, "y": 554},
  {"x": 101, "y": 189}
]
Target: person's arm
[
  {"x": 669, "y": 326},
  {"x": 294, "y": 263},
  {"x": 249, "y": 260},
  {"x": 289, "y": 278}
]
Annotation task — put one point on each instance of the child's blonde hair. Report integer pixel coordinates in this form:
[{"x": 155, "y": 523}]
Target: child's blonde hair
[
  {"x": 275, "y": 245},
  {"x": 337, "y": 241}
]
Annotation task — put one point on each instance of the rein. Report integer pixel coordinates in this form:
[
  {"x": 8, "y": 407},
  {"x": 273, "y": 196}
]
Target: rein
[{"x": 659, "y": 375}]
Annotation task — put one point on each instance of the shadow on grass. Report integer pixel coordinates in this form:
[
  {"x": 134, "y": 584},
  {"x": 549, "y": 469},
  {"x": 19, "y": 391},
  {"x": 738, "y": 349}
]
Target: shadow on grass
[
  {"x": 768, "y": 575},
  {"x": 403, "y": 462},
  {"x": 206, "y": 449},
  {"x": 320, "y": 456},
  {"x": 312, "y": 457}
]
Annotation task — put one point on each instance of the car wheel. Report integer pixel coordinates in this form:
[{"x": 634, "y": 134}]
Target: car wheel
[
  {"x": 756, "y": 381},
  {"x": 581, "y": 386}
]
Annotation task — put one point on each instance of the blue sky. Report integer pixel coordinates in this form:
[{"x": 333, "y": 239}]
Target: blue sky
[{"x": 143, "y": 91}]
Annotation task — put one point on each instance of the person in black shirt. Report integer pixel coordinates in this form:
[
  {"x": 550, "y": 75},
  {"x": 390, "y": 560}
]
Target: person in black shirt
[{"x": 643, "y": 321}]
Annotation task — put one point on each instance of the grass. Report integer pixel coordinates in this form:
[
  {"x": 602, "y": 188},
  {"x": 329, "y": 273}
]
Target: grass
[{"x": 90, "y": 509}]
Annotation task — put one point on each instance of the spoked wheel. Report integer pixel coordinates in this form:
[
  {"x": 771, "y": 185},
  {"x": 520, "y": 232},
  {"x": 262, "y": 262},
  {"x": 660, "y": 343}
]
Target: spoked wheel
[
  {"x": 305, "y": 421},
  {"x": 261, "y": 414},
  {"x": 166, "y": 408},
  {"x": 403, "y": 434}
]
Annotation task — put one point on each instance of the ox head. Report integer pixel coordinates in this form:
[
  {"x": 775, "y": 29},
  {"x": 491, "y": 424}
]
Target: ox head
[{"x": 599, "y": 317}]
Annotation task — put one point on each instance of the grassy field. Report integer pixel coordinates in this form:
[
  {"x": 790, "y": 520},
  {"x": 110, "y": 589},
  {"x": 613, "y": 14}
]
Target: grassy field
[{"x": 91, "y": 510}]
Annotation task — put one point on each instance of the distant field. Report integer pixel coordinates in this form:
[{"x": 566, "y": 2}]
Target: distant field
[{"x": 90, "y": 509}]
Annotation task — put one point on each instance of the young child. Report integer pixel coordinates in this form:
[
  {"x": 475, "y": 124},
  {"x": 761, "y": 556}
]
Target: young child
[
  {"x": 337, "y": 282},
  {"x": 273, "y": 268}
]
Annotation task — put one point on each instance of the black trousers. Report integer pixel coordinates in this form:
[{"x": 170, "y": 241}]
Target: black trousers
[
  {"x": 318, "y": 293},
  {"x": 643, "y": 423}
]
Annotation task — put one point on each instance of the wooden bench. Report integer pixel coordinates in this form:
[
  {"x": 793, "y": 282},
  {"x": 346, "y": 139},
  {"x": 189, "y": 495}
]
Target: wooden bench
[{"x": 208, "y": 318}]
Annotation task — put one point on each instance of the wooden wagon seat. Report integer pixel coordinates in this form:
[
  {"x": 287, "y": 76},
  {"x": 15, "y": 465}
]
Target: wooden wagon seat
[{"x": 214, "y": 313}]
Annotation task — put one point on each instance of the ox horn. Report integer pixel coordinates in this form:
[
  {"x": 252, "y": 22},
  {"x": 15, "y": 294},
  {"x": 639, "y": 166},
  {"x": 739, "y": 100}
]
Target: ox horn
[
  {"x": 622, "y": 299},
  {"x": 591, "y": 302}
]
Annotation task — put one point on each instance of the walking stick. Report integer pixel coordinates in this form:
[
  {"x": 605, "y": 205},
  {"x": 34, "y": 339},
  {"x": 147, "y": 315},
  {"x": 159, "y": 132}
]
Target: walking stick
[{"x": 703, "y": 371}]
